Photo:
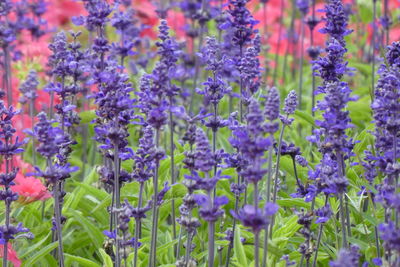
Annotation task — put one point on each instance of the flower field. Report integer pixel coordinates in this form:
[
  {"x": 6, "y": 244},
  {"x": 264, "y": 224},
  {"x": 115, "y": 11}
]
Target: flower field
[{"x": 244, "y": 133}]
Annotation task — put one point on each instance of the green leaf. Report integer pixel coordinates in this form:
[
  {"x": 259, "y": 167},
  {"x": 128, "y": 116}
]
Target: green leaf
[
  {"x": 40, "y": 254},
  {"x": 239, "y": 249},
  {"x": 305, "y": 117},
  {"x": 35, "y": 247},
  {"x": 89, "y": 228},
  {"x": 81, "y": 261},
  {"x": 107, "y": 262},
  {"x": 87, "y": 116}
]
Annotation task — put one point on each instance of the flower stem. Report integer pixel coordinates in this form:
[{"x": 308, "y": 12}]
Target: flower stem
[
  {"x": 290, "y": 41},
  {"x": 321, "y": 226},
  {"x": 301, "y": 61},
  {"x": 230, "y": 247},
  {"x": 178, "y": 248},
  {"x": 58, "y": 224},
  {"x": 279, "y": 43},
  {"x": 256, "y": 249},
  {"x": 5, "y": 249},
  {"x": 211, "y": 236},
  {"x": 257, "y": 233},
  {"x": 7, "y": 74},
  {"x": 278, "y": 158},
  {"x": 373, "y": 49},
  {"x": 172, "y": 149},
  {"x": 31, "y": 114},
  {"x": 267, "y": 199},
  {"x": 211, "y": 232},
  {"x": 116, "y": 204},
  {"x": 342, "y": 220},
  {"x": 188, "y": 245},
  {"x": 196, "y": 61},
  {"x": 138, "y": 225},
  {"x": 153, "y": 244}
]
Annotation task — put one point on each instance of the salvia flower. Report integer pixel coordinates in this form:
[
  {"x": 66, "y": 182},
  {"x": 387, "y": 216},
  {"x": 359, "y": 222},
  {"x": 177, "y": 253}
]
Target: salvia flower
[
  {"x": 8, "y": 148},
  {"x": 210, "y": 208},
  {"x": 336, "y": 20},
  {"x": 347, "y": 257},
  {"x": 289, "y": 108},
  {"x": 29, "y": 87},
  {"x": 254, "y": 217}
]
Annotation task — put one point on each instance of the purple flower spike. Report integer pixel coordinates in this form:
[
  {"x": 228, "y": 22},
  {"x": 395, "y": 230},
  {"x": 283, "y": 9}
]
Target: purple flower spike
[
  {"x": 210, "y": 209},
  {"x": 255, "y": 218},
  {"x": 347, "y": 257},
  {"x": 324, "y": 214}
]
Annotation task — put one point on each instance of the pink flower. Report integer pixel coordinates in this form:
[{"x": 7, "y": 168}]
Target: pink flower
[
  {"x": 29, "y": 189},
  {"x": 12, "y": 255}
]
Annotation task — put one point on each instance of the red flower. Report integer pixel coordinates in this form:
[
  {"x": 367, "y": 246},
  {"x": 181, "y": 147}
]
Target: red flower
[
  {"x": 60, "y": 11},
  {"x": 29, "y": 189},
  {"x": 12, "y": 255}
]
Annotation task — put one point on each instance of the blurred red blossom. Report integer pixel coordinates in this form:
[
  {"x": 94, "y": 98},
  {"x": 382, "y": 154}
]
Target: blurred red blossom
[
  {"x": 12, "y": 255},
  {"x": 29, "y": 189}
]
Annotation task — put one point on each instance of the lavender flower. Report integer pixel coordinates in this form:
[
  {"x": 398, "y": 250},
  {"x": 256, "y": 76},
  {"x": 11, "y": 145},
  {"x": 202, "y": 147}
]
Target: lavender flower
[
  {"x": 256, "y": 218},
  {"x": 347, "y": 257}
]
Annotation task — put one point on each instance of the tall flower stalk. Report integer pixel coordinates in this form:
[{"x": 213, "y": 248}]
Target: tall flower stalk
[
  {"x": 331, "y": 137},
  {"x": 303, "y": 6},
  {"x": 51, "y": 140},
  {"x": 271, "y": 112},
  {"x": 291, "y": 103},
  {"x": 384, "y": 161},
  {"x": 278, "y": 47},
  {"x": 187, "y": 220},
  {"x": 313, "y": 51},
  {"x": 29, "y": 91},
  {"x": 156, "y": 93},
  {"x": 9, "y": 146},
  {"x": 144, "y": 170},
  {"x": 209, "y": 204},
  {"x": 253, "y": 145}
]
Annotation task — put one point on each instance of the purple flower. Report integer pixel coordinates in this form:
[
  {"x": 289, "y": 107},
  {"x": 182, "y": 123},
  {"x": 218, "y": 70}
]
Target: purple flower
[
  {"x": 204, "y": 160},
  {"x": 241, "y": 21},
  {"x": 111, "y": 235},
  {"x": 290, "y": 103},
  {"x": 393, "y": 54},
  {"x": 210, "y": 209},
  {"x": 29, "y": 87},
  {"x": 272, "y": 104},
  {"x": 301, "y": 160},
  {"x": 390, "y": 234},
  {"x": 336, "y": 20},
  {"x": 324, "y": 214},
  {"x": 136, "y": 212},
  {"x": 255, "y": 218},
  {"x": 8, "y": 233},
  {"x": 347, "y": 257},
  {"x": 303, "y": 6},
  {"x": 54, "y": 173},
  {"x": 162, "y": 193}
]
